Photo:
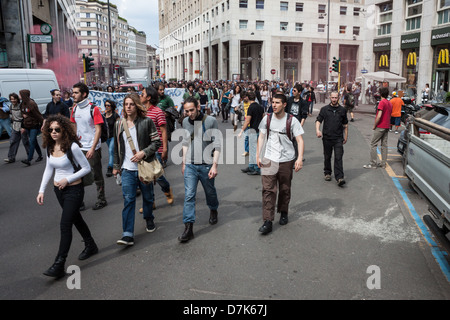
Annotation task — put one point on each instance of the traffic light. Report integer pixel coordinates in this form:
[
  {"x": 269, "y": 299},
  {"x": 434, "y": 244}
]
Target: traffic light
[
  {"x": 336, "y": 65},
  {"x": 88, "y": 63}
]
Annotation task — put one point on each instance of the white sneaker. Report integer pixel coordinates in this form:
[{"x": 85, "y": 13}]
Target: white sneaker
[{"x": 369, "y": 166}]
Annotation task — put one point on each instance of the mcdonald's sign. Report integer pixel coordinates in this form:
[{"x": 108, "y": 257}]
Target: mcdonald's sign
[
  {"x": 412, "y": 59},
  {"x": 443, "y": 57},
  {"x": 384, "y": 61}
]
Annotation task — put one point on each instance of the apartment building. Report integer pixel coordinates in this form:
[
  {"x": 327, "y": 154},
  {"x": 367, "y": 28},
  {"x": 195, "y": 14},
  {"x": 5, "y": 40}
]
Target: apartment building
[
  {"x": 137, "y": 48},
  {"x": 94, "y": 37},
  {"x": 260, "y": 39},
  {"x": 410, "y": 38}
]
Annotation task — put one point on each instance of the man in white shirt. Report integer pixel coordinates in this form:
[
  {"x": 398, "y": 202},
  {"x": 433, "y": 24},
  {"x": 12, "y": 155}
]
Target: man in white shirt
[
  {"x": 88, "y": 126},
  {"x": 276, "y": 157}
]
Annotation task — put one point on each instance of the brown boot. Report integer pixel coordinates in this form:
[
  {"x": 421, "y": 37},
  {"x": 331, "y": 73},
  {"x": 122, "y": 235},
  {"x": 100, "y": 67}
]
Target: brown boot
[{"x": 169, "y": 196}]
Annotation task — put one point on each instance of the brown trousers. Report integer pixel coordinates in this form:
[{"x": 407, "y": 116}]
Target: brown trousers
[{"x": 281, "y": 183}]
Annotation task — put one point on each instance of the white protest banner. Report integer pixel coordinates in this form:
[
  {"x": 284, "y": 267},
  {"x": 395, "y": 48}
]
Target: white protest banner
[
  {"x": 177, "y": 96},
  {"x": 99, "y": 98}
]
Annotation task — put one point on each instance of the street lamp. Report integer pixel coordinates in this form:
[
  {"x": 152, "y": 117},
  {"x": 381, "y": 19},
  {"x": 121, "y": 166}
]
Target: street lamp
[
  {"x": 209, "y": 53},
  {"x": 182, "y": 36},
  {"x": 328, "y": 48},
  {"x": 163, "y": 71},
  {"x": 111, "y": 67}
]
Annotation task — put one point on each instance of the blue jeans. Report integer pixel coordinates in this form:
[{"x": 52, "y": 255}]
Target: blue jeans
[
  {"x": 253, "y": 143},
  {"x": 246, "y": 145},
  {"x": 130, "y": 182},
  {"x": 110, "y": 143},
  {"x": 192, "y": 175},
  {"x": 34, "y": 144},
  {"x": 5, "y": 123}
]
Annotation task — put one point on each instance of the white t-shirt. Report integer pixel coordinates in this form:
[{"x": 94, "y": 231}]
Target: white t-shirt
[
  {"x": 81, "y": 115},
  {"x": 127, "y": 163},
  {"x": 278, "y": 147}
]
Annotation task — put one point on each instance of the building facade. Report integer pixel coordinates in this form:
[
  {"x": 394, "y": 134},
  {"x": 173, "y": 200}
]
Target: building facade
[
  {"x": 410, "y": 38},
  {"x": 20, "y": 19},
  {"x": 260, "y": 39},
  {"x": 94, "y": 38}
]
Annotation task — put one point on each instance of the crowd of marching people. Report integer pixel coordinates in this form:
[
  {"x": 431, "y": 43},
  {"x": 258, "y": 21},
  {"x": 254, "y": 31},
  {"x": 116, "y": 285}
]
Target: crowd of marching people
[{"x": 271, "y": 115}]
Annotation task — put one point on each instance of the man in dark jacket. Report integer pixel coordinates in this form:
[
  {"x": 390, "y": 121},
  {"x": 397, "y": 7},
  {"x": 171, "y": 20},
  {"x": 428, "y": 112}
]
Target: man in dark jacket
[
  {"x": 296, "y": 105},
  {"x": 335, "y": 134},
  {"x": 56, "y": 106}
]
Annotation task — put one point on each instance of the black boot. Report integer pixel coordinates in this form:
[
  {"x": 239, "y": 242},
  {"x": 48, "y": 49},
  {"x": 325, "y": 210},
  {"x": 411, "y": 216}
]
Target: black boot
[
  {"x": 188, "y": 233},
  {"x": 57, "y": 269},
  {"x": 90, "y": 249}
]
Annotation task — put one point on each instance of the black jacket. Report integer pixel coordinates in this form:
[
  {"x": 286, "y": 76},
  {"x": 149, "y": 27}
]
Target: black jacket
[
  {"x": 334, "y": 119},
  {"x": 57, "y": 108}
]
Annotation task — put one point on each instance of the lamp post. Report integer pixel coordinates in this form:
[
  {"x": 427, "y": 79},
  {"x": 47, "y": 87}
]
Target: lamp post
[
  {"x": 111, "y": 67},
  {"x": 182, "y": 40},
  {"x": 328, "y": 48},
  {"x": 209, "y": 53}
]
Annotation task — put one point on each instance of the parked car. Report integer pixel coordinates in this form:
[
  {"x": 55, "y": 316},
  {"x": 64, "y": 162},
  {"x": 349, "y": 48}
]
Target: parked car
[
  {"x": 426, "y": 162},
  {"x": 138, "y": 87}
]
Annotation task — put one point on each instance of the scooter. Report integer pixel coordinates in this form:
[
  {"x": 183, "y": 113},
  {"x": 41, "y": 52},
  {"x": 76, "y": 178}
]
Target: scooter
[{"x": 409, "y": 108}]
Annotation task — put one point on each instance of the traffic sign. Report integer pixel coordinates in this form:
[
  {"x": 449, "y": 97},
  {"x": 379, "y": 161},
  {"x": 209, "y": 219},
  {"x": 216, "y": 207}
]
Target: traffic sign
[
  {"x": 273, "y": 71},
  {"x": 40, "y": 38}
]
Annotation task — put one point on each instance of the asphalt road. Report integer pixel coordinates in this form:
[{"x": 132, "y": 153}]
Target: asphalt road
[{"x": 356, "y": 242}]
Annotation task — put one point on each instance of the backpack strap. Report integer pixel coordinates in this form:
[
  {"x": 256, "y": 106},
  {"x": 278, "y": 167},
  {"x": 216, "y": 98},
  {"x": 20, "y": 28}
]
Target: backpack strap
[{"x": 288, "y": 125}]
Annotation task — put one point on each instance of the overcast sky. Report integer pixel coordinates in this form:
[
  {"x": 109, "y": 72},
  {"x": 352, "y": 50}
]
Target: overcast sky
[{"x": 142, "y": 15}]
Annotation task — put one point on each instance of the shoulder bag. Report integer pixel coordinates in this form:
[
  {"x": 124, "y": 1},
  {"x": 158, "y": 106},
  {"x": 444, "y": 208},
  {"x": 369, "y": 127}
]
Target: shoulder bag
[{"x": 147, "y": 171}]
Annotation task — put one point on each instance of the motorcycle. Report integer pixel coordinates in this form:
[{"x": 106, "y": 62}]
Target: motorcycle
[{"x": 409, "y": 108}]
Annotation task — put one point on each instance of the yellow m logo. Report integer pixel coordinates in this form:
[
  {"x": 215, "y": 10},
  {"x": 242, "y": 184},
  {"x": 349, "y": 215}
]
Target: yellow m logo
[
  {"x": 412, "y": 59},
  {"x": 384, "y": 61},
  {"x": 443, "y": 57}
]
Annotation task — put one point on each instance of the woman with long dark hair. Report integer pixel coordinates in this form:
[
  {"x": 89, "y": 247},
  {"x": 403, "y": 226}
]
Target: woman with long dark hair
[
  {"x": 32, "y": 122},
  {"x": 111, "y": 118},
  {"x": 65, "y": 158}
]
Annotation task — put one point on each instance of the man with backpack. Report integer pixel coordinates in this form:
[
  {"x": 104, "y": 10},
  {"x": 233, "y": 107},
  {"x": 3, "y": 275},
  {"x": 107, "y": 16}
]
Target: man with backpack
[
  {"x": 89, "y": 124},
  {"x": 276, "y": 157},
  {"x": 349, "y": 101}
]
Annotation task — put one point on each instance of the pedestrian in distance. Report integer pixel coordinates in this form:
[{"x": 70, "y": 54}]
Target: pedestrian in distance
[
  {"x": 17, "y": 133},
  {"x": 349, "y": 101},
  {"x": 69, "y": 165},
  {"x": 253, "y": 118},
  {"x": 111, "y": 117},
  {"x": 396, "y": 116},
  {"x": 334, "y": 136},
  {"x": 199, "y": 164},
  {"x": 5, "y": 121},
  {"x": 143, "y": 133},
  {"x": 32, "y": 122},
  {"x": 88, "y": 121},
  {"x": 277, "y": 159},
  {"x": 380, "y": 131}
]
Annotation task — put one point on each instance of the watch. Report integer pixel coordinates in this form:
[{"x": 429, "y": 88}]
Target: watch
[{"x": 46, "y": 28}]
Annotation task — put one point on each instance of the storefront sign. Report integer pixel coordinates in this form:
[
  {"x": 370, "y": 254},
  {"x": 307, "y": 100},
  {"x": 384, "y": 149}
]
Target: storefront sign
[
  {"x": 382, "y": 45},
  {"x": 440, "y": 36},
  {"x": 410, "y": 41}
]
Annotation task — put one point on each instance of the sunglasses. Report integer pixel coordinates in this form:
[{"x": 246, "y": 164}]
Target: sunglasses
[{"x": 58, "y": 130}]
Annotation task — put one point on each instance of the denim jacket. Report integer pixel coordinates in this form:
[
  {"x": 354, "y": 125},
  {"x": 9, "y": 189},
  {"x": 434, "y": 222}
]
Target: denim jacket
[{"x": 147, "y": 136}]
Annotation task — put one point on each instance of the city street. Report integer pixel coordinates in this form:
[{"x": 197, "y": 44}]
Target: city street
[{"x": 364, "y": 241}]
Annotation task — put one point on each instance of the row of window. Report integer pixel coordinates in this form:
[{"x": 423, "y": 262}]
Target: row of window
[{"x": 284, "y": 26}]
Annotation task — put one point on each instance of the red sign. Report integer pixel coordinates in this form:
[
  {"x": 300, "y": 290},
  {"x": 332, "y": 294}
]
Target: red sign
[
  {"x": 185, "y": 70},
  {"x": 117, "y": 67},
  {"x": 273, "y": 71}
]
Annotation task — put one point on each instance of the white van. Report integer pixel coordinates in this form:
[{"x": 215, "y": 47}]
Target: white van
[{"x": 39, "y": 81}]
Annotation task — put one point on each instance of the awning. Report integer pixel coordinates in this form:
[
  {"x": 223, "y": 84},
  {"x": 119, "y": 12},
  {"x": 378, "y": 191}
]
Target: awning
[{"x": 383, "y": 76}]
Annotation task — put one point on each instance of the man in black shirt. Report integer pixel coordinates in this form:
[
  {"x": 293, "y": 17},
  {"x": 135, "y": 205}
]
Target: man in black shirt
[
  {"x": 335, "y": 134},
  {"x": 255, "y": 113},
  {"x": 56, "y": 106}
]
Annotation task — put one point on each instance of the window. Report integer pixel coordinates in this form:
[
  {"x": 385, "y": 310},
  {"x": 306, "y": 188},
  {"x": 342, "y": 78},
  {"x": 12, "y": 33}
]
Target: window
[
  {"x": 284, "y": 6},
  {"x": 343, "y": 11},
  {"x": 283, "y": 26},
  {"x": 299, "y": 27},
  {"x": 259, "y": 25},
  {"x": 321, "y": 28},
  {"x": 444, "y": 12},
  {"x": 414, "y": 14},
  {"x": 356, "y": 11},
  {"x": 356, "y": 31},
  {"x": 342, "y": 29},
  {"x": 243, "y": 3},
  {"x": 322, "y": 8},
  {"x": 385, "y": 18},
  {"x": 243, "y": 24},
  {"x": 299, "y": 6},
  {"x": 259, "y": 4}
]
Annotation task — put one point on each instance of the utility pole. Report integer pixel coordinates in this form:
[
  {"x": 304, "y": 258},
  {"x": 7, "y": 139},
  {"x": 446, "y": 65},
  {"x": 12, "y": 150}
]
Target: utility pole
[
  {"x": 209, "y": 53},
  {"x": 328, "y": 48},
  {"x": 111, "y": 66}
]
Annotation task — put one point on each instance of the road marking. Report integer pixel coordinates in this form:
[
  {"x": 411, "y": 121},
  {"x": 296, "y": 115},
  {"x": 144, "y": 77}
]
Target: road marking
[{"x": 438, "y": 254}]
